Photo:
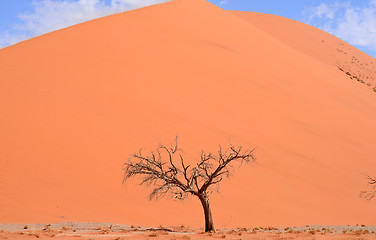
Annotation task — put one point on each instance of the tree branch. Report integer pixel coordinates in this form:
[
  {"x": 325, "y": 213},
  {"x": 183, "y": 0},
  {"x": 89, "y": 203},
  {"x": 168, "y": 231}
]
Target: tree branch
[
  {"x": 225, "y": 159},
  {"x": 171, "y": 178}
]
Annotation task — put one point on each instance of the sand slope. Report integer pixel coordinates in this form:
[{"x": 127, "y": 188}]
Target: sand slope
[
  {"x": 77, "y": 102},
  {"x": 356, "y": 64}
]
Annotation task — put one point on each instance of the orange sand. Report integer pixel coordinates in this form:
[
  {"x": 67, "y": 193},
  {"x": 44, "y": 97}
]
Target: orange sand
[
  {"x": 307, "y": 39},
  {"x": 77, "y": 102}
]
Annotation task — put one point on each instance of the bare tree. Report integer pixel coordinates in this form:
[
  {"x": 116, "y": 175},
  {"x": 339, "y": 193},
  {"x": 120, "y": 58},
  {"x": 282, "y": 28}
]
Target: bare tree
[
  {"x": 370, "y": 194},
  {"x": 168, "y": 174}
]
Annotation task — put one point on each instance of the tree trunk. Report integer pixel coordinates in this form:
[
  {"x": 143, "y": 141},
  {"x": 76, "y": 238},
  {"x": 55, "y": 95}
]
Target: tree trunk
[{"x": 209, "y": 227}]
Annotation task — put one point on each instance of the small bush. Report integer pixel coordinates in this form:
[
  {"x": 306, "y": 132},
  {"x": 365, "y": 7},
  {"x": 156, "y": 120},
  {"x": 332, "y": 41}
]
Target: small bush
[
  {"x": 153, "y": 235},
  {"x": 64, "y": 228}
]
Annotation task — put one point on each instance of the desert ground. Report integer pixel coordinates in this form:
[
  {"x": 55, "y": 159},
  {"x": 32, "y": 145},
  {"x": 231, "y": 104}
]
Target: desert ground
[
  {"x": 86, "y": 231},
  {"x": 78, "y": 102}
]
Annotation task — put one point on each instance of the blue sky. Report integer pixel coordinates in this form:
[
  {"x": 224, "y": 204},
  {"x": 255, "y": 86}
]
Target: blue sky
[{"x": 351, "y": 20}]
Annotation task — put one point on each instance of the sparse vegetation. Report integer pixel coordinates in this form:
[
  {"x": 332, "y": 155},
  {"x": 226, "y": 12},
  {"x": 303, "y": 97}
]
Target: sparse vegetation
[
  {"x": 358, "y": 77},
  {"x": 166, "y": 170},
  {"x": 47, "y": 228},
  {"x": 309, "y": 232},
  {"x": 360, "y": 232},
  {"x": 105, "y": 231},
  {"x": 153, "y": 235},
  {"x": 65, "y": 228}
]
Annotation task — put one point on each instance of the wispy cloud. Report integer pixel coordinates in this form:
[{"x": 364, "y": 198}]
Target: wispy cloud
[
  {"x": 223, "y": 2},
  {"x": 51, "y": 15},
  {"x": 356, "y": 25}
]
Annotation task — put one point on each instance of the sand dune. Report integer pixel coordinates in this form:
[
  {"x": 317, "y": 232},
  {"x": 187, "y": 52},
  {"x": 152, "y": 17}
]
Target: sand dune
[
  {"x": 77, "y": 102},
  {"x": 356, "y": 64}
]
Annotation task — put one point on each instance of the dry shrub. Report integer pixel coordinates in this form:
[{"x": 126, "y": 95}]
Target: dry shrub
[
  {"x": 271, "y": 229},
  {"x": 47, "y": 228},
  {"x": 243, "y": 229},
  {"x": 361, "y": 231},
  {"x": 105, "y": 231},
  {"x": 65, "y": 228},
  {"x": 153, "y": 235}
]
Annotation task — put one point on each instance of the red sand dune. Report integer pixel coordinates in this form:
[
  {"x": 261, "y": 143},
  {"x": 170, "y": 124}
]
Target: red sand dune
[
  {"x": 358, "y": 65},
  {"x": 77, "y": 102}
]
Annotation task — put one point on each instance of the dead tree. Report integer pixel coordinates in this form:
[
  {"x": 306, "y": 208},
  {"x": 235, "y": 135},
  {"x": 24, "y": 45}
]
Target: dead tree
[
  {"x": 168, "y": 174},
  {"x": 370, "y": 194}
]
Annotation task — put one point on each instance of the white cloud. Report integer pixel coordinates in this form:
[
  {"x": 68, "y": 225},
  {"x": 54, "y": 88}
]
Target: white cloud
[
  {"x": 223, "y": 2},
  {"x": 353, "y": 24},
  {"x": 51, "y": 15}
]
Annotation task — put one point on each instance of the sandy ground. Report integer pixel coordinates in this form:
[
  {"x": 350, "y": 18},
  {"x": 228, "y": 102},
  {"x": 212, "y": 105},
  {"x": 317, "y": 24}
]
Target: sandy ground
[{"x": 91, "y": 231}]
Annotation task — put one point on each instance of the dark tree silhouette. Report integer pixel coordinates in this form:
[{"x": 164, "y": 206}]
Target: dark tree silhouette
[
  {"x": 168, "y": 174},
  {"x": 370, "y": 194}
]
